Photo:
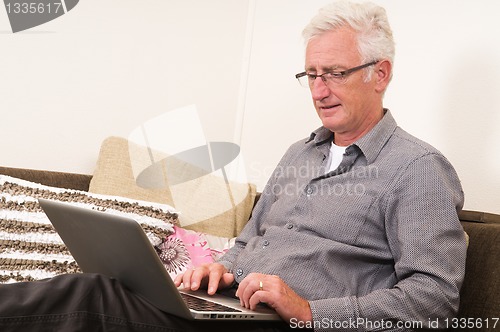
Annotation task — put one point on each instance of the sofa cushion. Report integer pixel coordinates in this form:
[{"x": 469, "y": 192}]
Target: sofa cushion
[
  {"x": 113, "y": 174},
  {"x": 50, "y": 178},
  {"x": 206, "y": 202}
]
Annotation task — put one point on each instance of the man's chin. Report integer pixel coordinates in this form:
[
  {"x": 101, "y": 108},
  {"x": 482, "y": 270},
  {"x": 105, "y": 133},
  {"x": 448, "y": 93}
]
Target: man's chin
[{"x": 331, "y": 123}]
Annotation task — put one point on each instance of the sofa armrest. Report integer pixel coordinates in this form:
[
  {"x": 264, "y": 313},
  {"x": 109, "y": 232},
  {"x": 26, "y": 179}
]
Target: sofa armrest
[
  {"x": 479, "y": 216},
  {"x": 50, "y": 178},
  {"x": 480, "y": 293}
]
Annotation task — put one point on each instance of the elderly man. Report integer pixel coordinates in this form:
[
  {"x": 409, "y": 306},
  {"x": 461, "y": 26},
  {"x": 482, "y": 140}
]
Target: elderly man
[
  {"x": 357, "y": 228},
  {"x": 370, "y": 231}
]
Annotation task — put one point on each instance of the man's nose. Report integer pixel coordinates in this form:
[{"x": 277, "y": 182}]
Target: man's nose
[{"x": 319, "y": 89}]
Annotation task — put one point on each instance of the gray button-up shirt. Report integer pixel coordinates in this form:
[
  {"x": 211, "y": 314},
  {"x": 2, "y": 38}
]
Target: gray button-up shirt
[{"x": 375, "y": 241}]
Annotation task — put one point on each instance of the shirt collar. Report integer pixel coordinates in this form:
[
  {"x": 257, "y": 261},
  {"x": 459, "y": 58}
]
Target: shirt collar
[
  {"x": 320, "y": 136},
  {"x": 370, "y": 144}
]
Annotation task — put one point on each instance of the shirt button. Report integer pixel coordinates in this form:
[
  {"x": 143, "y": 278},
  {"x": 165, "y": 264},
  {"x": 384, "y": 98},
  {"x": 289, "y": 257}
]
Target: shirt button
[
  {"x": 239, "y": 272},
  {"x": 309, "y": 191},
  {"x": 266, "y": 243},
  {"x": 289, "y": 226}
]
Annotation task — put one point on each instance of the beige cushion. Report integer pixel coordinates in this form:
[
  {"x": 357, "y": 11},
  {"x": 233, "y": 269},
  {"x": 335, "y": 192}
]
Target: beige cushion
[
  {"x": 114, "y": 175},
  {"x": 206, "y": 203}
]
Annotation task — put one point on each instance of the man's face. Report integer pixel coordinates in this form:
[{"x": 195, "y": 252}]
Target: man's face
[{"x": 348, "y": 109}]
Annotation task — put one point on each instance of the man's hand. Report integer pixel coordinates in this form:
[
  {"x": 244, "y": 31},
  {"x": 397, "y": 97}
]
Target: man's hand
[
  {"x": 273, "y": 291},
  {"x": 212, "y": 276}
]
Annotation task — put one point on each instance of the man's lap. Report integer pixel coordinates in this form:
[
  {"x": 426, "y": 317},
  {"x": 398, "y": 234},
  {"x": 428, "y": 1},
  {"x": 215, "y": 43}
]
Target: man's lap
[{"x": 92, "y": 302}]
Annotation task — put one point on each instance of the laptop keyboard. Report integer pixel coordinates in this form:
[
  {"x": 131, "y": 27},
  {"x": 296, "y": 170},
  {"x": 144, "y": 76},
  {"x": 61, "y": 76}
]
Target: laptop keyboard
[{"x": 198, "y": 304}]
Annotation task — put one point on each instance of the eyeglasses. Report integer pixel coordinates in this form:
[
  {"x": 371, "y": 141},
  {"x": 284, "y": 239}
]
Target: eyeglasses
[{"x": 329, "y": 78}]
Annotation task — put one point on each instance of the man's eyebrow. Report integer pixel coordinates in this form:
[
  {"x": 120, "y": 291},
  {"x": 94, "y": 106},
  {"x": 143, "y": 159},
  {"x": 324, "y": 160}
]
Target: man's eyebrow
[{"x": 324, "y": 69}]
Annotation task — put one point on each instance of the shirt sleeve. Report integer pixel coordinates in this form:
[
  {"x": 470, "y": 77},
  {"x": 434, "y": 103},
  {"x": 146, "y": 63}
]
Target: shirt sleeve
[
  {"x": 259, "y": 213},
  {"x": 428, "y": 245}
]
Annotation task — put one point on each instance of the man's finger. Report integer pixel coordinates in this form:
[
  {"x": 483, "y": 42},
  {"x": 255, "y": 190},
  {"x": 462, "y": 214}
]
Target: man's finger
[{"x": 213, "y": 280}]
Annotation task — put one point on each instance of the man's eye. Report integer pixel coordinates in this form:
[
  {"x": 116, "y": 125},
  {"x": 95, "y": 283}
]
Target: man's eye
[{"x": 336, "y": 75}]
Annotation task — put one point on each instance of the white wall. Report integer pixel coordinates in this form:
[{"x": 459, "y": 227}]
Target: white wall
[
  {"x": 110, "y": 65},
  {"x": 107, "y": 66}
]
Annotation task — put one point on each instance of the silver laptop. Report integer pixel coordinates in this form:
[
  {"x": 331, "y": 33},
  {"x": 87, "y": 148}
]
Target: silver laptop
[{"x": 117, "y": 247}]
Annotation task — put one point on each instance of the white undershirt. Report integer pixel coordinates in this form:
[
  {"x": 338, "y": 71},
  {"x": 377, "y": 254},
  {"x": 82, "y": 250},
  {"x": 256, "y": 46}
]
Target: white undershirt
[{"x": 335, "y": 157}]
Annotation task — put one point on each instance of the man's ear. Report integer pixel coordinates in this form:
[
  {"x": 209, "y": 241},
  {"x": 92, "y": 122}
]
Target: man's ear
[{"x": 383, "y": 75}]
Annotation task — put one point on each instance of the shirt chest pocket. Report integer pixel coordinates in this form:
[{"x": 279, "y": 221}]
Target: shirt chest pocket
[{"x": 338, "y": 217}]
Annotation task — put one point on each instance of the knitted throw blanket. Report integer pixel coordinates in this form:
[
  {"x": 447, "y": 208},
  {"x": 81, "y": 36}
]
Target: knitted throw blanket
[{"x": 30, "y": 248}]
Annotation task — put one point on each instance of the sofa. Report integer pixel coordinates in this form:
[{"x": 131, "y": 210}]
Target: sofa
[{"x": 480, "y": 294}]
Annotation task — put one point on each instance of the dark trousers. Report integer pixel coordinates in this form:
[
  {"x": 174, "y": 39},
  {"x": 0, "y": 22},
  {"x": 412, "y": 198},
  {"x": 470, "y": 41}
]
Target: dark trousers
[{"x": 92, "y": 302}]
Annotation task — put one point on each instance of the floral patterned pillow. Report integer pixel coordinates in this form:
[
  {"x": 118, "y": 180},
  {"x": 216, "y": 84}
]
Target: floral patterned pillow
[{"x": 185, "y": 249}]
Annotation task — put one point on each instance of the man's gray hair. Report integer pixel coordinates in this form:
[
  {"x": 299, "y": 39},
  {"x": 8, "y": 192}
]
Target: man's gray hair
[{"x": 375, "y": 41}]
